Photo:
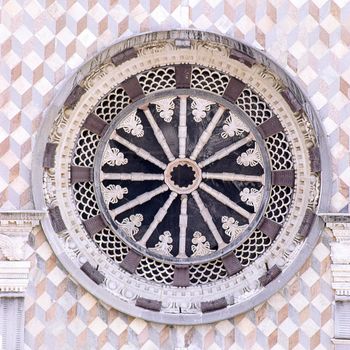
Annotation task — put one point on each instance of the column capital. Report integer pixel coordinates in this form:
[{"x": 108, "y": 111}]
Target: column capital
[
  {"x": 15, "y": 227},
  {"x": 340, "y": 226}
]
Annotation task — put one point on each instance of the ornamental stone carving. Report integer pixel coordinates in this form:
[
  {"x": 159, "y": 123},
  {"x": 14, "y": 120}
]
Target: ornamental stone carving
[
  {"x": 180, "y": 172},
  {"x": 15, "y": 227},
  {"x": 339, "y": 224}
]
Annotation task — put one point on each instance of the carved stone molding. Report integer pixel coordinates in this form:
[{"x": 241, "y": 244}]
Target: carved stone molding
[
  {"x": 128, "y": 117},
  {"x": 341, "y": 344},
  {"x": 14, "y": 276},
  {"x": 341, "y": 279},
  {"x": 339, "y": 224},
  {"x": 15, "y": 227}
]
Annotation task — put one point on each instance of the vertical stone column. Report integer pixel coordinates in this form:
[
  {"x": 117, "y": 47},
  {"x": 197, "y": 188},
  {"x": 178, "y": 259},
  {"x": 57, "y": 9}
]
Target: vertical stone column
[
  {"x": 340, "y": 255},
  {"x": 15, "y": 227}
]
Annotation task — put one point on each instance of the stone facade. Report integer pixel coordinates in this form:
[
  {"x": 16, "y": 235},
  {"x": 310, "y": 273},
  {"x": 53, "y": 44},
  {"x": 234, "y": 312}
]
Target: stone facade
[
  {"x": 42, "y": 43},
  {"x": 59, "y": 311}
]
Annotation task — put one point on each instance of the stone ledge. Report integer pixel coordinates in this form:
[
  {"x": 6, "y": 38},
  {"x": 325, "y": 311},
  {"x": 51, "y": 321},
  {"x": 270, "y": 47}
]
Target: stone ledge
[
  {"x": 341, "y": 344},
  {"x": 14, "y": 276},
  {"x": 22, "y": 216}
]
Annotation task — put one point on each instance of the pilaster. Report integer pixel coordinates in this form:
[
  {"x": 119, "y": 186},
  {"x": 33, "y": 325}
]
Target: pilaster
[
  {"x": 339, "y": 224},
  {"x": 15, "y": 227}
]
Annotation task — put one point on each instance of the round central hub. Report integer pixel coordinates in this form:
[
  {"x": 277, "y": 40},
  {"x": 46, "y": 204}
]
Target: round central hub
[
  {"x": 159, "y": 213},
  {"x": 183, "y": 175}
]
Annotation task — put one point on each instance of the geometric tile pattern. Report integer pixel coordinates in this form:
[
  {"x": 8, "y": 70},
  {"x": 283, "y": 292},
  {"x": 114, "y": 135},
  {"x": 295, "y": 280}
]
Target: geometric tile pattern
[
  {"x": 61, "y": 315},
  {"x": 43, "y": 42}
]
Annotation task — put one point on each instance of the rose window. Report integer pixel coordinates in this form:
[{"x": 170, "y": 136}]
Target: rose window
[
  {"x": 182, "y": 178},
  {"x": 181, "y": 172}
]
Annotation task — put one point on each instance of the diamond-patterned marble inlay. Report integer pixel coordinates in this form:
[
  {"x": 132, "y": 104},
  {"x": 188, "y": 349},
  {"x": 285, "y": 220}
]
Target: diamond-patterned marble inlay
[
  {"x": 42, "y": 42},
  {"x": 62, "y": 314}
]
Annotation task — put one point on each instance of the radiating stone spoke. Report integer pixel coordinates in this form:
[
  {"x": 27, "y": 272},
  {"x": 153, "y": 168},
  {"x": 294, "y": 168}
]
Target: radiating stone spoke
[
  {"x": 226, "y": 201},
  {"x": 132, "y": 176},
  {"x": 143, "y": 198},
  {"x": 158, "y": 218},
  {"x": 185, "y": 176},
  {"x": 182, "y": 131},
  {"x": 183, "y": 221},
  {"x": 226, "y": 151},
  {"x": 159, "y": 135},
  {"x": 204, "y": 138},
  {"x": 233, "y": 177},
  {"x": 208, "y": 219},
  {"x": 138, "y": 150}
]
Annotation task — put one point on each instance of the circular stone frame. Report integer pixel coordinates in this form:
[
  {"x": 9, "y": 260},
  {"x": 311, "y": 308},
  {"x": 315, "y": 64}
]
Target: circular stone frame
[
  {"x": 190, "y": 260},
  {"x": 50, "y": 165},
  {"x": 197, "y": 175}
]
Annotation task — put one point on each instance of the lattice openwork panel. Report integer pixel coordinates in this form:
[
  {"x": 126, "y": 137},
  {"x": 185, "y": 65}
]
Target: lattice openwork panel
[
  {"x": 85, "y": 200},
  {"x": 252, "y": 104},
  {"x": 252, "y": 248},
  {"x": 279, "y": 150},
  {"x": 111, "y": 245},
  {"x": 157, "y": 79},
  {"x": 206, "y": 273},
  {"x": 156, "y": 271},
  {"x": 84, "y": 152},
  {"x": 112, "y": 104},
  {"x": 279, "y": 204},
  {"x": 210, "y": 80}
]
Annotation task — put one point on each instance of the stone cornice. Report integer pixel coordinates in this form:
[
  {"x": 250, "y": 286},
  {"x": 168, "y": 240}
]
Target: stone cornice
[
  {"x": 15, "y": 227},
  {"x": 21, "y": 217},
  {"x": 335, "y": 217}
]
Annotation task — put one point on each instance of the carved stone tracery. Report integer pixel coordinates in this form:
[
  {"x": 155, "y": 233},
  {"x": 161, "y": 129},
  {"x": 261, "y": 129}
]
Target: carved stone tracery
[{"x": 215, "y": 64}]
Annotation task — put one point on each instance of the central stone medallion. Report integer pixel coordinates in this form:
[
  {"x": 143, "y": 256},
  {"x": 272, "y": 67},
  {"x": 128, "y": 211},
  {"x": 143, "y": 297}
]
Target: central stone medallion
[{"x": 183, "y": 176}]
